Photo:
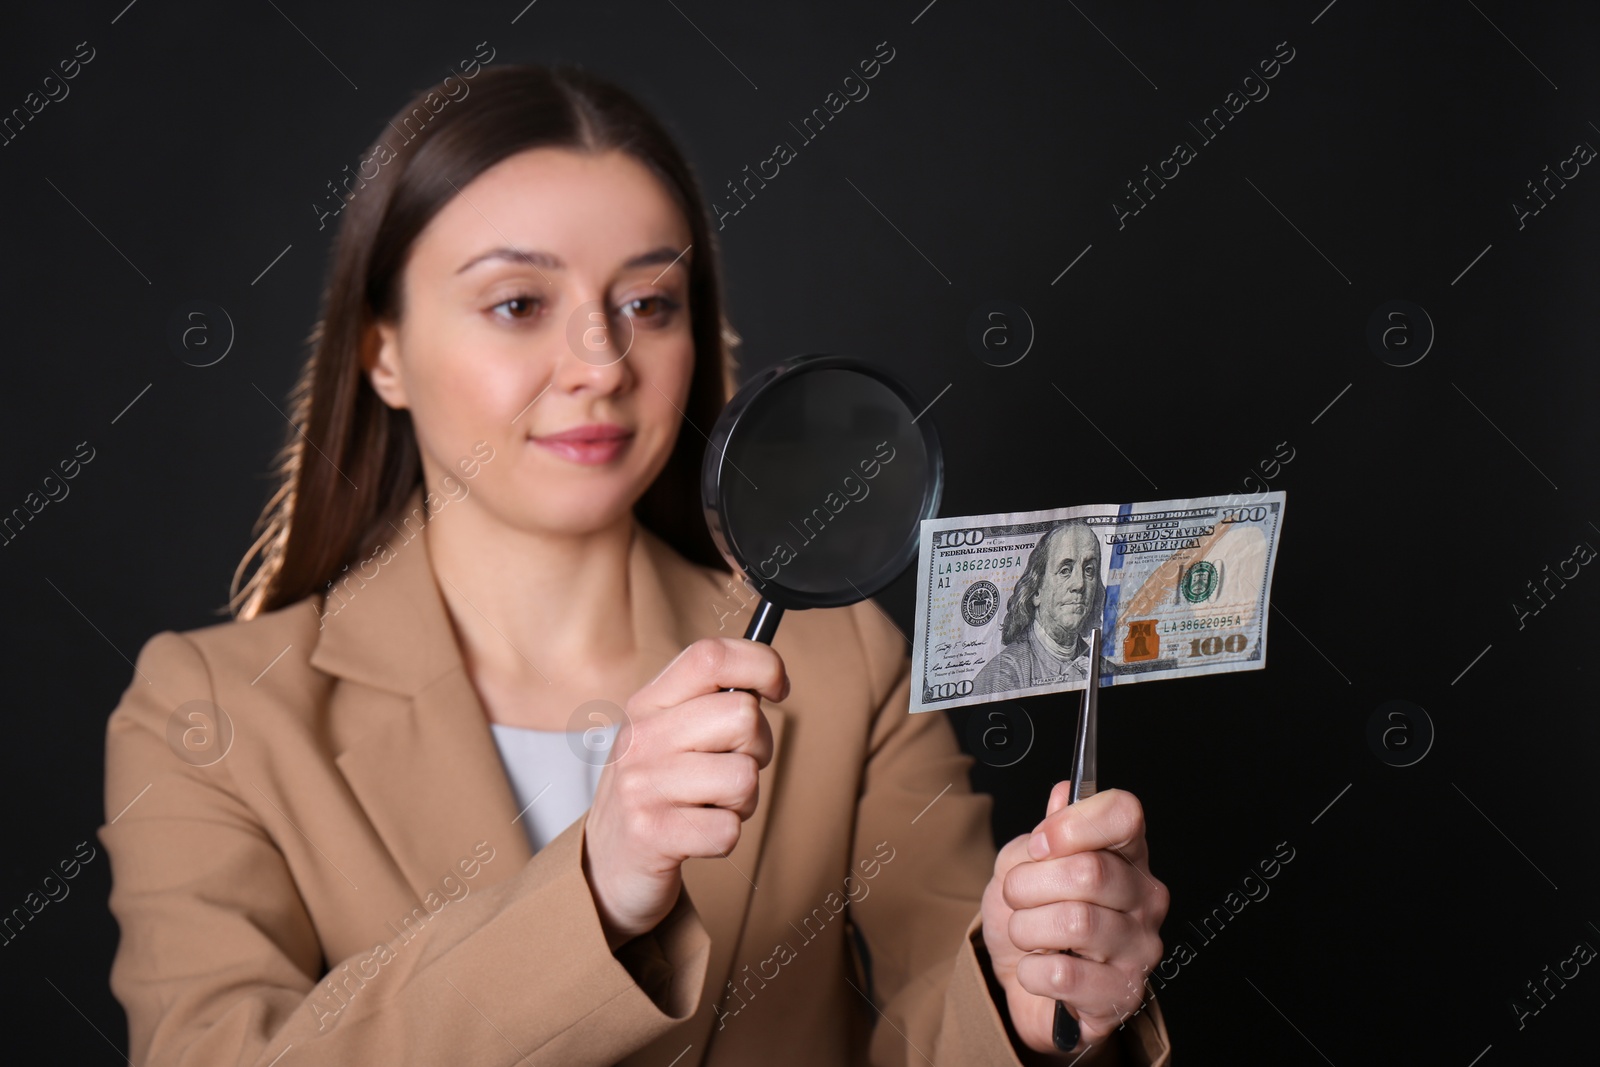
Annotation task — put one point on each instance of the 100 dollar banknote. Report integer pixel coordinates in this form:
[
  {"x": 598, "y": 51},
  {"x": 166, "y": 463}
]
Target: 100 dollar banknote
[{"x": 1005, "y": 602}]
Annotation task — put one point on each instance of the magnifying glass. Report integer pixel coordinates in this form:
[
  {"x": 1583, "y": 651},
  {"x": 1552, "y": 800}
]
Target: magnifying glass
[{"x": 816, "y": 479}]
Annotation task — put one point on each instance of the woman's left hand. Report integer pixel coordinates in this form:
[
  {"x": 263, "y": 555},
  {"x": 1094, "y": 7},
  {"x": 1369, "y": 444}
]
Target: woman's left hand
[{"x": 1090, "y": 890}]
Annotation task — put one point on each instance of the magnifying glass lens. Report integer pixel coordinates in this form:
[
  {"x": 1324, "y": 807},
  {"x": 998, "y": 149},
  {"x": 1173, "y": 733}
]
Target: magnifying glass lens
[{"x": 820, "y": 482}]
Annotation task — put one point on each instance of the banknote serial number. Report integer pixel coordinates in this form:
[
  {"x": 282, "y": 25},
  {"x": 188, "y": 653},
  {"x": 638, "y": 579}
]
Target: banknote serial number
[
  {"x": 982, "y": 563},
  {"x": 1212, "y": 622}
]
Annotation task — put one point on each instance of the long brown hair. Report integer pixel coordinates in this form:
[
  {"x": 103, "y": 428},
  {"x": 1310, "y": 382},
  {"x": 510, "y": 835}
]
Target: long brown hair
[{"x": 315, "y": 522}]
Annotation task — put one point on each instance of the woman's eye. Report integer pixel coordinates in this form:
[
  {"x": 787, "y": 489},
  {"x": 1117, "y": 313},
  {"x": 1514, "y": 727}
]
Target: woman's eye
[
  {"x": 649, "y": 307},
  {"x": 522, "y": 306}
]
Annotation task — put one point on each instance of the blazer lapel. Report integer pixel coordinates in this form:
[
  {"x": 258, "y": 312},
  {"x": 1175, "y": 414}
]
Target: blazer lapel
[
  {"x": 412, "y": 739},
  {"x": 414, "y": 744}
]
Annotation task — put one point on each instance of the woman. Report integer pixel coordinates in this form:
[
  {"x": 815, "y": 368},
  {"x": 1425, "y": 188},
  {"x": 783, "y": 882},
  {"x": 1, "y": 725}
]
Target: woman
[{"x": 324, "y": 817}]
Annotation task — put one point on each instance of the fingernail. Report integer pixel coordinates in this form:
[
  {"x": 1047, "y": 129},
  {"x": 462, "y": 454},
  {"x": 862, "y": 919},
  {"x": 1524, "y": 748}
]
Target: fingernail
[{"x": 1038, "y": 846}]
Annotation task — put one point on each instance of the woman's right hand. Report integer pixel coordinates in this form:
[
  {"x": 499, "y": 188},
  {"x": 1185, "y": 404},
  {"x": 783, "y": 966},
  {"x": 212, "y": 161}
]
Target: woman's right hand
[{"x": 685, "y": 782}]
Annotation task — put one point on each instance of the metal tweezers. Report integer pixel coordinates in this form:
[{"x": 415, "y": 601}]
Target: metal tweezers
[{"x": 1064, "y": 1029}]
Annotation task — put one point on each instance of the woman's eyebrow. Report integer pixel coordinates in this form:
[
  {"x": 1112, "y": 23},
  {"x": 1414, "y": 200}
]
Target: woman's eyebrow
[
  {"x": 515, "y": 255},
  {"x": 663, "y": 254}
]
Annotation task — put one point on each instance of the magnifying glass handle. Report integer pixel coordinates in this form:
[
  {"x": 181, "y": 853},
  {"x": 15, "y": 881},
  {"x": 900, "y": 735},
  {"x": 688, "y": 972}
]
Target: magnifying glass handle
[
  {"x": 765, "y": 622},
  {"x": 763, "y": 625}
]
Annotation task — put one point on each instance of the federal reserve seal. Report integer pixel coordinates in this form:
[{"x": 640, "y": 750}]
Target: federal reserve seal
[{"x": 979, "y": 603}]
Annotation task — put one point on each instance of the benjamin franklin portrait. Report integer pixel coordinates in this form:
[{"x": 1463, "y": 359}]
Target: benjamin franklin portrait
[{"x": 1057, "y": 601}]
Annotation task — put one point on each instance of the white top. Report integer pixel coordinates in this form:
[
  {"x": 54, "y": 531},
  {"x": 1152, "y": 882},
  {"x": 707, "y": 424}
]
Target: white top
[{"x": 553, "y": 774}]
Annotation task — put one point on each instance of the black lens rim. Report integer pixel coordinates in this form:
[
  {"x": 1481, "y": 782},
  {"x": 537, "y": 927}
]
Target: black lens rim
[{"x": 714, "y": 465}]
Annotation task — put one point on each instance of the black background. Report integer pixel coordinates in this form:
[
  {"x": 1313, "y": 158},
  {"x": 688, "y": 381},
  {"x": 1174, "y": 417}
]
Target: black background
[{"x": 1219, "y": 322}]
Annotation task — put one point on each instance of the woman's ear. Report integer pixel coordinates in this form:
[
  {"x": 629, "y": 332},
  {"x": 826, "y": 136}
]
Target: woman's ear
[{"x": 380, "y": 360}]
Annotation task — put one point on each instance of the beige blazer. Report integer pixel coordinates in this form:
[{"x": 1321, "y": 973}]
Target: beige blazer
[{"x": 343, "y": 880}]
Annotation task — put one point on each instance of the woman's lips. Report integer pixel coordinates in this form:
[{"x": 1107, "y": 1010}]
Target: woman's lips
[{"x": 588, "y": 445}]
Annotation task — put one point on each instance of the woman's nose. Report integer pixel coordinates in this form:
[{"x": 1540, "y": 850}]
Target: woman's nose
[
  {"x": 595, "y": 352},
  {"x": 595, "y": 337}
]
